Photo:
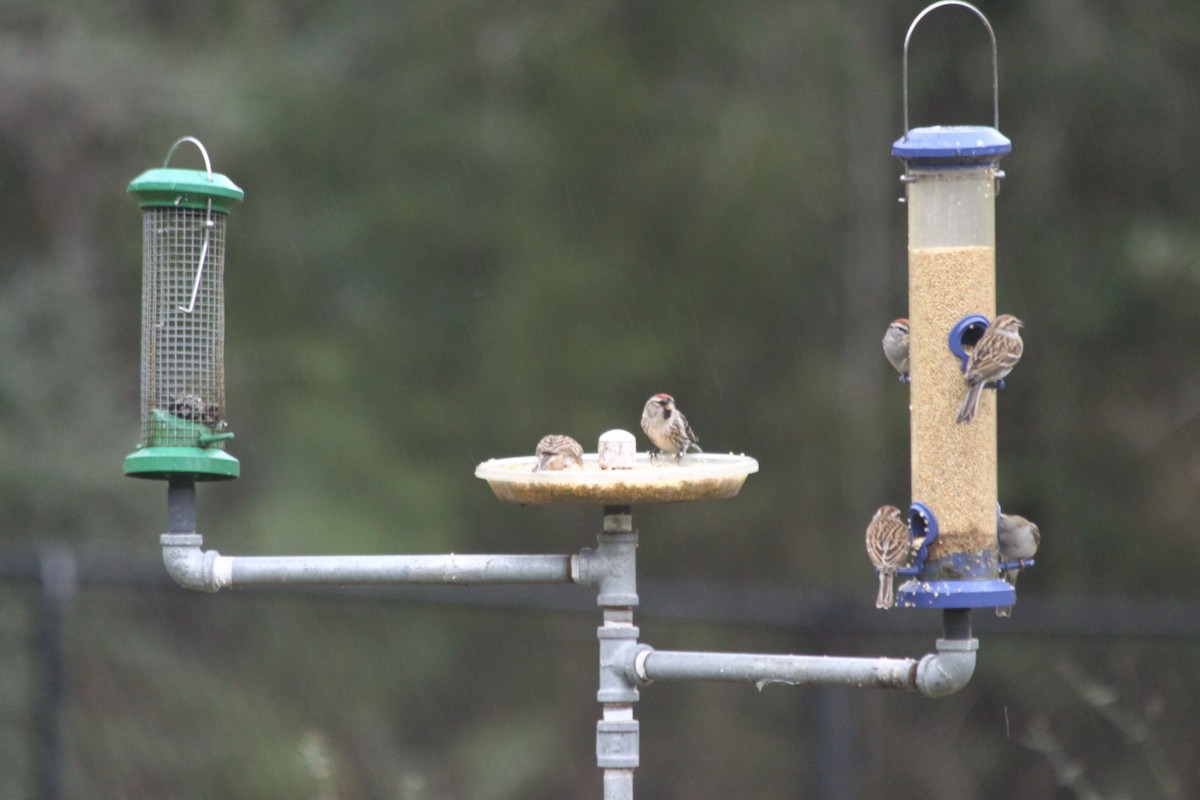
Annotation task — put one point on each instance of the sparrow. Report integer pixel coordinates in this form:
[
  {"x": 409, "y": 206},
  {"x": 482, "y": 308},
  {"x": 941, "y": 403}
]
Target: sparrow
[
  {"x": 558, "y": 452},
  {"x": 895, "y": 346},
  {"x": 888, "y": 547},
  {"x": 993, "y": 357},
  {"x": 192, "y": 408},
  {"x": 667, "y": 427},
  {"x": 1018, "y": 540}
]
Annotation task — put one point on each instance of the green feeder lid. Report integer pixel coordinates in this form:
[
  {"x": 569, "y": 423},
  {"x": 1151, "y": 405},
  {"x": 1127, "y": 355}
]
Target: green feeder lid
[{"x": 187, "y": 188}]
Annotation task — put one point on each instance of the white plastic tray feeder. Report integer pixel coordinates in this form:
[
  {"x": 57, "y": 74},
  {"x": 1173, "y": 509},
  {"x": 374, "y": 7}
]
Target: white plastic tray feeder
[{"x": 699, "y": 476}]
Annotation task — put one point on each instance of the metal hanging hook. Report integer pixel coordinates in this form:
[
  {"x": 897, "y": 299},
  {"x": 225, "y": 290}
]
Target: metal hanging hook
[
  {"x": 995, "y": 58},
  {"x": 208, "y": 221},
  {"x": 203, "y": 152}
]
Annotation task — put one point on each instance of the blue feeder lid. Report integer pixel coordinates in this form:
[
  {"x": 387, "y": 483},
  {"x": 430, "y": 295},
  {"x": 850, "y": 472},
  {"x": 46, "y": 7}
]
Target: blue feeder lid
[
  {"x": 188, "y": 188},
  {"x": 950, "y": 145}
]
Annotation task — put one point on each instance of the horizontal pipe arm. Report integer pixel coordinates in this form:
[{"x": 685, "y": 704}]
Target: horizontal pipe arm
[
  {"x": 888, "y": 673},
  {"x": 934, "y": 675},
  {"x": 209, "y": 571},
  {"x": 448, "y": 569}
]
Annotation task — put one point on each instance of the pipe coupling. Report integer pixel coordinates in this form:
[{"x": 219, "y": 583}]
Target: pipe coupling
[
  {"x": 188, "y": 564},
  {"x": 949, "y": 670}
]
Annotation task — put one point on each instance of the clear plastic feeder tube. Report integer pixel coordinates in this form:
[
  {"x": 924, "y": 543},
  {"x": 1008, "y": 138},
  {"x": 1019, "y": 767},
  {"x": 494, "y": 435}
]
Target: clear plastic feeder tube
[
  {"x": 952, "y": 274},
  {"x": 951, "y": 178}
]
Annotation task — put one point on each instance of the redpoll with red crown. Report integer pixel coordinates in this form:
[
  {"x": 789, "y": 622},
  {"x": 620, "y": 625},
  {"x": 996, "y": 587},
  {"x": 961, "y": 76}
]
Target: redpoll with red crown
[{"x": 667, "y": 427}]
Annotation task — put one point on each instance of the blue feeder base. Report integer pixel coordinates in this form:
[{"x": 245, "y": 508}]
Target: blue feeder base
[{"x": 955, "y": 594}]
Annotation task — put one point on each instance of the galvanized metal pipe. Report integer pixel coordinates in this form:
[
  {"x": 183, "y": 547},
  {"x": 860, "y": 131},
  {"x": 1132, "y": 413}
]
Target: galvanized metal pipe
[
  {"x": 436, "y": 569},
  {"x": 935, "y": 675},
  {"x": 209, "y": 571},
  {"x": 181, "y": 505},
  {"x": 612, "y": 569},
  {"x": 884, "y": 673}
]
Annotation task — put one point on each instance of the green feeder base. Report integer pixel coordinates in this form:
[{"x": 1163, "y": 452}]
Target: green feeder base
[{"x": 165, "y": 463}]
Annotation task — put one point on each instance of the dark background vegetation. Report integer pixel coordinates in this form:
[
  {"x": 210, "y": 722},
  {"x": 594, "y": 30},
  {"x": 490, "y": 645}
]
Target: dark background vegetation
[{"x": 471, "y": 223}]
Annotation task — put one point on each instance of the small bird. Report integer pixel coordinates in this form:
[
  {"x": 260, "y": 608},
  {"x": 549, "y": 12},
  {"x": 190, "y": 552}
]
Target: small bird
[
  {"x": 1019, "y": 539},
  {"x": 192, "y": 408},
  {"x": 888, "y": 549},
  {"x": 994, "y": 356},
  {"x": 558, "y": 452},
  {"x": 667, "y": 427},
  {"x": 895, "y": 346}
]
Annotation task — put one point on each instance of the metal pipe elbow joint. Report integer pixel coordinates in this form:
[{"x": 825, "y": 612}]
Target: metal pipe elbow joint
[
  {"x": 188, "y": 564},
  {"x": 949, "y": 670}
]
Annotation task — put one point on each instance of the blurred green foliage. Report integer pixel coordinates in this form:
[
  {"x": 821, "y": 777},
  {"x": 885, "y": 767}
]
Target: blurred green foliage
[{"x": 468, "y": 224}]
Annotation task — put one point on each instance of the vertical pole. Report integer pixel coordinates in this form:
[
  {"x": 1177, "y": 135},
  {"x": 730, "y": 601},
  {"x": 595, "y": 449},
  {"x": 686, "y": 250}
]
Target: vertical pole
[
  {"x": 836, "y": 763},
  {"x": 617, "y": 742},
  {"x": 181, "y": 505},
  {"x": 57, "y": 567},
  {"x": 956, "y": 624}
]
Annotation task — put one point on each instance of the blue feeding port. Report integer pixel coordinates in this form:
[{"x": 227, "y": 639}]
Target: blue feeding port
[
  {"x": 923, "y": 528},
  {"x": 985, "y": 591},
  {"x": 965, "y": 333}
]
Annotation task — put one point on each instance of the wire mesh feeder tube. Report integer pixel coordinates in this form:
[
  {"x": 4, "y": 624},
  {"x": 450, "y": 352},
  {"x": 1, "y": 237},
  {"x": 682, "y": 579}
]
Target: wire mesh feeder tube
[
  {"x": 183, "y": 425},
  {"x": 951, "y": 179}
]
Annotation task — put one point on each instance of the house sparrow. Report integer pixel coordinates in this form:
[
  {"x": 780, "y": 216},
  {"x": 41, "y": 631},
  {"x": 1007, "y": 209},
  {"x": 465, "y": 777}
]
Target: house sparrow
[
  {"x": 1018, "y": 539},
  {"x": 994, "y": 356},
  {"x": 556, "y": 452},
  {"x": 895, "y": 346},
  {"x": 667, "y": 427},
  {"x": 888, "y": 543}
]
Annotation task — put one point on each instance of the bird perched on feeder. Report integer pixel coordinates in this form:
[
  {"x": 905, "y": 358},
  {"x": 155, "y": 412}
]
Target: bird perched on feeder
[
  {"x": 888, "y": 547},
  {"x": 895, "y": 346},
  {"x": 667, "y": 427},
  {"x": 558, "y": 452},
  {"x": 1019, "y": 539},
  {"x": 194, "y": 409},
  {"x": 993, "y": 357}
]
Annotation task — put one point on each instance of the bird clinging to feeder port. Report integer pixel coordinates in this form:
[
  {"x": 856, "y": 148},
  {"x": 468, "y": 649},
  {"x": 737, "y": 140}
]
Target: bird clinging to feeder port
[
  {"x": 1018, "y": 540},
  {"x": 994, "y": 356},
  {"x": 888, "y": 547},
  {"x": 895, "y": 346}
]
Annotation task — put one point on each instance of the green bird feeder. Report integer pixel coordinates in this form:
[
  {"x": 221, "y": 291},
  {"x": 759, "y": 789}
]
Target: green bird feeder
[{"x": 184, "y": 427}]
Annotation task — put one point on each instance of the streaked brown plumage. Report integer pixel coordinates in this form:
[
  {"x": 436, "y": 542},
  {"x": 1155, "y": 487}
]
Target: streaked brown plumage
[
  {"x": 667, "y": 427},
  {"x": 558, "y": 452},
  {"x": 888, "y": 547},
  {"x": 994, "y": 356}
]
